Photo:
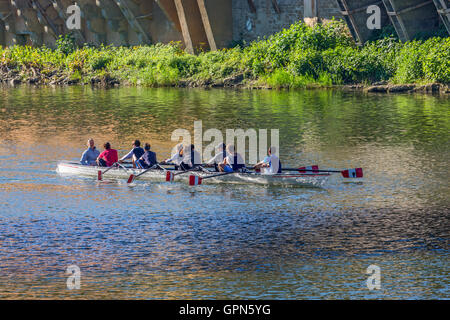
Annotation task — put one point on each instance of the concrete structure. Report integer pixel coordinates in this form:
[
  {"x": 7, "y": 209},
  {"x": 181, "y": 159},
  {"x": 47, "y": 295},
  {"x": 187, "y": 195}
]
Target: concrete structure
[
  {"x": 254, "y": 19},
  {"x": 356, "y": 16},
  {"x": 199, "y": 24},
  {"x": 412, "y": 17},
  {"x": 443, "y": 7}
]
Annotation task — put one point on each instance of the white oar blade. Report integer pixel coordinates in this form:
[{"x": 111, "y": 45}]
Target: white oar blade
[
  {"x": 352, "y": 173},
  {"x": 130, "y": 179},
  {"x": 194, "y": 180}
]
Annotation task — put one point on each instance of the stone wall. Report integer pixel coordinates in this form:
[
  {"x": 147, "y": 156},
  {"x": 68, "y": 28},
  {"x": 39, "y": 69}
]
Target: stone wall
[{"x": 248, "y": 25}]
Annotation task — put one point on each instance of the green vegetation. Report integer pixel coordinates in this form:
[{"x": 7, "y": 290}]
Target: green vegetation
[{"x": 300, "y": 56}]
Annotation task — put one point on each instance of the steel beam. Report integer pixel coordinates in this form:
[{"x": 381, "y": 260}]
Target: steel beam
[
  {"x": 137, "y": 18},
  {"x": 443, "y": 9},
  {"x": 412, "y": 17}
]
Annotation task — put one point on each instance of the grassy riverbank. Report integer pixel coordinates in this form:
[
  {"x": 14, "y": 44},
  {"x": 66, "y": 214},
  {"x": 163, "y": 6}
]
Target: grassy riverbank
[{"x": 297, "y": 57}]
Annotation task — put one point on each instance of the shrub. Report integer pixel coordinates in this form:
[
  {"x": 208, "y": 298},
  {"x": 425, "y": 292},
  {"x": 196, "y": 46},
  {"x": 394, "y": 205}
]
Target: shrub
[
  {"x": 66, "y": 44},
  {"x": 98, "y": 60},
  {"x": 409, "y": 63},
  {"x": 308, "y": 62},
  {"x": 280, "y": 79},
  {"x": 436, "y": 64},
  {"x": 295, "y": 57}
]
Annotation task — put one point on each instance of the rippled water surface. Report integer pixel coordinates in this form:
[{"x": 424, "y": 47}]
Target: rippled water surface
[{"x": 161, "y": 240}]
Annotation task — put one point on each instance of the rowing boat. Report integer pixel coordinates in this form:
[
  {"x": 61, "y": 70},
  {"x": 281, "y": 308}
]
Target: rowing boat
[{"x": 281, "y": 179}]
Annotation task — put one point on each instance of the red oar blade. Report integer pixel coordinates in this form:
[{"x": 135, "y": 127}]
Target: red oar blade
[
  {"x": 130, "y": 179},
  {"x": 99, "y": 175},
  {"x": 352, "y": 173},
  {"x": 309, "y": 169},
  {"x": 169, "y": 176},
  {"x": 194, "y": 180}
]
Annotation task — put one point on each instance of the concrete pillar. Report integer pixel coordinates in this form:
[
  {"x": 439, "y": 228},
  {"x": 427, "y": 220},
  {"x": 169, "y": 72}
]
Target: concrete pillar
[
  {"x": 28, "y": 27},
  {"x": 217, "y": 19},
  {"x": 117, "y": 27},
  {"x": 7, "y": 24},
  {"x": 207, "y": 24},
  {"x": 170, "y": 10},
  {"x": 194, "y": 34},
  {"x": 138, "y": 14},
  {"x": 94, "y": 22},
  {"x": 310, "y": 9},
  {"x": 162, "y": 28}
]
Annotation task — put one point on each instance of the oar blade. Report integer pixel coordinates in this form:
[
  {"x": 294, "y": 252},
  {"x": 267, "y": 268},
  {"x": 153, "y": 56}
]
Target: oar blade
[
  {"x": 352, "y": 173},
  {"x": 312, "y": 169},
  {"x": 169, "y": 176},
  {"x": 195, "y": 180},
  {"x": 130, "y": 178},
  {"x": 99, "y": 175}
]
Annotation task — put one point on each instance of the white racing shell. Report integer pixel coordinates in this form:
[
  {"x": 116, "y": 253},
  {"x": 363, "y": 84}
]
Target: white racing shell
[{"x": 282, "y": 179}]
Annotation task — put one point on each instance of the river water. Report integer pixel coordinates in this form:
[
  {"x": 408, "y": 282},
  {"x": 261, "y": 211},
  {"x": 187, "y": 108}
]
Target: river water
[{"x": 169, "y": 240}]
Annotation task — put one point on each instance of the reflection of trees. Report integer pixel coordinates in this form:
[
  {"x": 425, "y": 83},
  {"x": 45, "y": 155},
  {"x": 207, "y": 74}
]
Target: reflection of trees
[{"x": 314, "y": 117}]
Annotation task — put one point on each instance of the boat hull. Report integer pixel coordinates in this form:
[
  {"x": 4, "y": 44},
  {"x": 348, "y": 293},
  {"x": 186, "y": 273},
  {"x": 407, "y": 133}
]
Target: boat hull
[{"x": 283, "y": 179}]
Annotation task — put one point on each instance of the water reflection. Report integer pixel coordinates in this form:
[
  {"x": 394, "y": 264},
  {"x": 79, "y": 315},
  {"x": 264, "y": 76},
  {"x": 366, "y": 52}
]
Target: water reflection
[{"x": 160, "y": 240}]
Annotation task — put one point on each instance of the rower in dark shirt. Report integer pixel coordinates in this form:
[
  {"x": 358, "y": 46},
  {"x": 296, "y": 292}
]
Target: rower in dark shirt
[
  {"x": 148, "y": 159},
  {"x": 134, "y": 153}
]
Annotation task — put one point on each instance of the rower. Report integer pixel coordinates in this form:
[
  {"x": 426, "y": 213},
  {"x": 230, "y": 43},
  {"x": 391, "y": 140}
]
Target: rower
[
  {"x": 176, "y": 158},
  {"x": 271, "y": 164},
  {"x": 221, "y": 154},
  {"x": 108, "y": 157},
  {"x": 232, "y": 162},
  {"x": 135, "y": 153},
  {"x": 191, "y": 158},
  {"x": 90, "y": 155},
  {"x": 148, "y": 159}
]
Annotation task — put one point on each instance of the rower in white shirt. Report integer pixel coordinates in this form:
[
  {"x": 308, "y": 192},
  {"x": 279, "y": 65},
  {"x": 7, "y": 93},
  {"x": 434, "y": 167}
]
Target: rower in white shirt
[
  {"x": 176, "y": 158},
  {"x": 191, "y": 158},
  {"x": 233, "y": 161},
  {"x": 221, "y": 154},
  {"x": 271, "y": 164}
]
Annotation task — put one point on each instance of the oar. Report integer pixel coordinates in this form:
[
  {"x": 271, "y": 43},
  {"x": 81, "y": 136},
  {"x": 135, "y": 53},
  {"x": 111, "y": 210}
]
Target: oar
[
  {"x": 100, "y": 173},
  {"x": 346, "y": 173},
  {"x": 132, "y": 176},
  {"x": 170, "y": 176},
  {"x": 196, "y": 180}
]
